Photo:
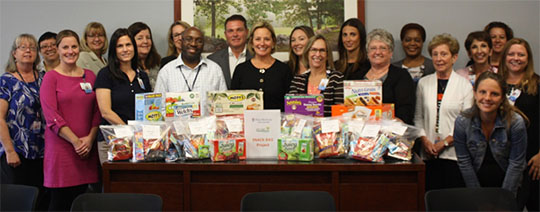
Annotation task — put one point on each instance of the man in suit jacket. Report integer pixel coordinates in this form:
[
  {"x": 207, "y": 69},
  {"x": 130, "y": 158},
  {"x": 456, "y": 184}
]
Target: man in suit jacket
[{"x": 236, "y": 33}]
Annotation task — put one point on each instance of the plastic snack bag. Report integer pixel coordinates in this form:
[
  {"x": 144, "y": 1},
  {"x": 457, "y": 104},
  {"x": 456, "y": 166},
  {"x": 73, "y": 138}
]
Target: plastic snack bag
[
  {"x": 177, "y": 137},
  {"x": 296, "y": 140},
  {"x": 119, "y": 138},
  {"x": 402, "y": 140},
  {"x": 199, "y": 132},
  {"x": 228, "y": 128},
  {"x": 330, "y": 137},
  {"x": 150, "y": 141},
  {"x": 367, "y": 144}
]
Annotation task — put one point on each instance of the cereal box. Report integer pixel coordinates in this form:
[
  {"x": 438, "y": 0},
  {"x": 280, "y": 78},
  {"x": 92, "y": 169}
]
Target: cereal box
[
  {"x": 311, "y": 105},
  {"x": 234, "y": 101},
  {"x": 362, "y": 92},
  {"x": 149, "y": 106},
  {"x": 179, "y": 105}
]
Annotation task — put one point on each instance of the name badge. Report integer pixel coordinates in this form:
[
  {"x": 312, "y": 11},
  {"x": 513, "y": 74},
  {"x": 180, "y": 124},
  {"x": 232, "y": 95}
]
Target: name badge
[
  {"x": 86, "y": 87},
  {"x": 323, "y": 84},
  {"x": 514, "y": 95},
  {"x": 141, "y": 84}
]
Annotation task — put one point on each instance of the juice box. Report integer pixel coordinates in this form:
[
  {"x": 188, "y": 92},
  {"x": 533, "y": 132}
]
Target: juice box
[
  {"x": 311, "y": 105},
  {"x": 362, "y": 92},
  {"x": 228, "y": 149},
  {"x": 149, "y": 106},
  {"x": 233, "y": 102},
  {"x": 185, "y": 104},
  {"x": 295, "y": 149}
]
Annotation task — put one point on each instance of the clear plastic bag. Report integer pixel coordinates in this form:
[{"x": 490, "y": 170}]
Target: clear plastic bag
[
  {"x": 150, "y": 141},
  {"x": 119, "y": 139},
  {"x": 229, "y": 141},
  {"x": 199, "y": 132},
  {"x": 296, "y": 140},
  {"x": 330, "y": 137}
]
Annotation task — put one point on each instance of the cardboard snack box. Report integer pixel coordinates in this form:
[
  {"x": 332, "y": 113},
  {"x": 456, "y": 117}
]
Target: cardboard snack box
[
  {"x": 149, "y": 106},
  {"x": 185, "y": 104},
  {"x": 233, "y": 102},
  {"x": 362, "y": 92},
  {"x": 311, "y": 105},
  {"x": 374, "y": 112}
]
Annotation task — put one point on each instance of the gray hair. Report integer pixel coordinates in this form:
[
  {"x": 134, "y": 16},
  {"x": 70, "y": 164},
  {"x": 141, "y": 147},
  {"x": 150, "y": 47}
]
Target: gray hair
[
  {"x": 11, "y": 66},
  {"x": 380, "y": 35}
]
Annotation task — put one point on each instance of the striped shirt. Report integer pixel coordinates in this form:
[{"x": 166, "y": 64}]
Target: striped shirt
[{"x": 333, "y": 93}]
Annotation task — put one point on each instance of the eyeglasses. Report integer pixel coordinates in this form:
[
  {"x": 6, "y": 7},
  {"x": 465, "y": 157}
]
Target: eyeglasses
[
  {"x": 374, "y": 48},
  {"x": 315, "y": 50},
  {"x": 48, "y": 46},
  {"x": 190, "y": 39},
  {"x": 24, "y": 48}
]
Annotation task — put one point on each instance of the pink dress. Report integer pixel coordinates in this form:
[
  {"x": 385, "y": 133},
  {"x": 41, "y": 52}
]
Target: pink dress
[{"x": 64, "y": 103}]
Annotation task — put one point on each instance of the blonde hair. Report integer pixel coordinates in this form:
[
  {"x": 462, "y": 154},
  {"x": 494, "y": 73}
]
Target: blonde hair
[
  {"x": 94, "y": 27},
  {"x": 530, "y": 79},
  {"x": 444, "y": 38},
  {"x": 172, "y": 48},
  {"x": 329, "y": 58},
  {"x": 260, "y": 25},
  {"x": 11, "y": 66}
]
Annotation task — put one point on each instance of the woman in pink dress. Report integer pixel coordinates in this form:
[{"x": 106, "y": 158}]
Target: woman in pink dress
[{"x": 72, "y": 115}]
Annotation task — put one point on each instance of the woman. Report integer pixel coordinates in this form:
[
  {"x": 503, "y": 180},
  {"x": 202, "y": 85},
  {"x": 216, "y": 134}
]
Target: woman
[
  {"x": 398, "y": 86},
  {"x": 47, "y": 49},
  {"x": 478, "y": 45},
  {"x": 93, "y": 45},
  {"x": 175, "y": 41},
  {"x": 320, "y": 77},
  {"x": 413, "y": 36},
  {"x": 440, "y": 98},
  {"x": 298, "y": 40},
  {"x": 263, "y": 72},
  {"x": 72, "y": 115},
  {"x": 352, "y": 54},
  {"x": 21, "y": 123},
  {"x": 499, "y": 33},
  {"x": 500, "y": 161},
  {"x": 117, "y": 84},
  {"x": 517, "y": 69},
  {"x": 149, "y": 58}
]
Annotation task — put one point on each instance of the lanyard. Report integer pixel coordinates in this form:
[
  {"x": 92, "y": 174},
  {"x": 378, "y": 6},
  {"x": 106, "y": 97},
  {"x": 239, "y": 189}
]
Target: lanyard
[
  {"x": 35, "y": 77},
  {"x": 185, "y": 79}
]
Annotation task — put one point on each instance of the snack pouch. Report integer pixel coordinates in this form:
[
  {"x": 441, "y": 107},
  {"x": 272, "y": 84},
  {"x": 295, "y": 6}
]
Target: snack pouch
[
  {"x": 200, "y": 131},
  {"x": 230, "y": 127},
  {"x": 330, "y": 137},
  {"x": 150, "y": 141},
  {"x": 119, "y": 139},
  {"x": 296, "y": 140},
  {"x": 367, "y": 144},
  {"x": 402, "y": 140}
]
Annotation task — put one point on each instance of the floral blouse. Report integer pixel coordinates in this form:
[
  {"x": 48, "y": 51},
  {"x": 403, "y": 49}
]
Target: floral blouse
[{"x": 24, "y": 116}]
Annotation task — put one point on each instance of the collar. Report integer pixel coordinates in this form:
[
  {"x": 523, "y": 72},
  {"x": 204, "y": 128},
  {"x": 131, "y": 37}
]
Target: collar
[
  {"x": 242, "y": 54},
  {"x": 476, "y": 123},
  {"x": 180, "y": 62}
]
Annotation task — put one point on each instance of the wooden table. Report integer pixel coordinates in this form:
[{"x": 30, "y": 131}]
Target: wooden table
[{"x": 204, "y": 185}]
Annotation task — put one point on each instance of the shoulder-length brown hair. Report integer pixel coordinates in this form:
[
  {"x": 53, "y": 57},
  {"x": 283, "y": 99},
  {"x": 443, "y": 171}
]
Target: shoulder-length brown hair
[
  {"x": 153, "y": 59},
  {"x": 530, "y": 79},
  {"x": 341, "y": 64},
  {"x": 329, "y": 58}
]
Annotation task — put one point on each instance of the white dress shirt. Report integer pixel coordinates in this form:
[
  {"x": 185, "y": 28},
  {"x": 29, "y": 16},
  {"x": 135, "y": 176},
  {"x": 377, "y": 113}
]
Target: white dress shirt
[{"x": 233, "y": 61}]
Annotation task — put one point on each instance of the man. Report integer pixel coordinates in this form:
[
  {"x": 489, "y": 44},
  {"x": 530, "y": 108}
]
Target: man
[
  {"x": 236, "y": 33},
  {"x": 47, "y": 49},
  {"x": 191, "y": 72}
]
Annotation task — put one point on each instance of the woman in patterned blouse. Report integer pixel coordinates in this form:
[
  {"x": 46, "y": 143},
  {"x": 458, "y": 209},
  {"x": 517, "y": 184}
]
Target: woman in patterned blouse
[{"x": 21, "y": 126}]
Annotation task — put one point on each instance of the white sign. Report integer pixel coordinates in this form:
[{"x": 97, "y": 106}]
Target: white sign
[{"x": 262, "y": 128}]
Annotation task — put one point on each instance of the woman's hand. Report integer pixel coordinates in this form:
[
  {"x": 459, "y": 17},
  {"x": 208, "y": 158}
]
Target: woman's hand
[
  {"x": 534, "y": 171},
  {"x": 13, "y": 159},
  {"x": 81, "y": 148}
]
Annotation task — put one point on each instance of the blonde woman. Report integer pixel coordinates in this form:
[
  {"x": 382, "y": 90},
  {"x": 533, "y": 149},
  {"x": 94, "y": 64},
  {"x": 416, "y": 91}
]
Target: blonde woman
[{"x": 94, "y": 44}]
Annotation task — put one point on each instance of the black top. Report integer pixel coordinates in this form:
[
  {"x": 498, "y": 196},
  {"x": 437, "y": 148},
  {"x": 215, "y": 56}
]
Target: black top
[
  {"x": 166, "y": 60},
  {"x": 333, "y": 93},
  {"x": 528, "y": 104},
  {"x": 122, "y": 93},
  {"x": 274, "y": 82},
  {"x": 397, "y": 88},
  {"x": 490, "y": 173},
  {"x": 359, "y": 73}
]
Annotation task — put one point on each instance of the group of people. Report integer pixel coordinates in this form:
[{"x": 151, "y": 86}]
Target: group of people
[{"x": 479, "y": 124}]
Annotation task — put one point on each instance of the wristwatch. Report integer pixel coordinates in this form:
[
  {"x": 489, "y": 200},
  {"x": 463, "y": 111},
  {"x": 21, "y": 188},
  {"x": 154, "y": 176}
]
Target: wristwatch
[{"x": 446, "y": 143}]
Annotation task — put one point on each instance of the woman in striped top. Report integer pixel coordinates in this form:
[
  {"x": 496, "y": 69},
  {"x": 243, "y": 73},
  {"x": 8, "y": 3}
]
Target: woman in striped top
[{"x": 320, "y": 78}]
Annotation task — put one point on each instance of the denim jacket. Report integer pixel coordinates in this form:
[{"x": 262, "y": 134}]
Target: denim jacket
[{"x": 507, "y": 146}]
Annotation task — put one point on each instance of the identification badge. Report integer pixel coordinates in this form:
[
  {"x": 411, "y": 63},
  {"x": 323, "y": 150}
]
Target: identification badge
[
  {"x": 86, "y": 87},
  {"x": 472, "y": 78},
  {"x": 514, "y": 95},
  {"x": 141, "y": 84},
  {"x": 323, "y": 84}
]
